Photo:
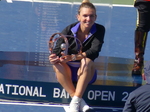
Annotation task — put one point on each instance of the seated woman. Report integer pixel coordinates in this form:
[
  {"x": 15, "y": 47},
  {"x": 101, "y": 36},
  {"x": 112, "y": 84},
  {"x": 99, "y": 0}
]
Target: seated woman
[{"x": 80, "y": 67}]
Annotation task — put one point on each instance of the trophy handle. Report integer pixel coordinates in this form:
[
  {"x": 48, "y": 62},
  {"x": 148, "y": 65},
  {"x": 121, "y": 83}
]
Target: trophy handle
[{"x": 64, "y": 46}]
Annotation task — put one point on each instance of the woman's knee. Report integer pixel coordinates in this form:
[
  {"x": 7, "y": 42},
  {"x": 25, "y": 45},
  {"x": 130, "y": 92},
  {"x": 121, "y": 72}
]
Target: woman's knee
[
  {"x": 87, "y": 62},
  {"x": 87, "y": 65},
  {"x": 62, "y": 69}
]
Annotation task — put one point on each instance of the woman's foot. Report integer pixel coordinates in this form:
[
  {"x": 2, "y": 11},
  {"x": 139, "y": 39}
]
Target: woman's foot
[
  {"x": 83, "y": 106},
  {"x": 75, "y": 104},
  {"x": 78, "y": 104}
]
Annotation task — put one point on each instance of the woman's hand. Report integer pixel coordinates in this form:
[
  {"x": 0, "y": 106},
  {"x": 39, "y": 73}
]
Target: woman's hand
[
  {"x": 65, "y": 58},
  {"x": 54, "y": 59}
]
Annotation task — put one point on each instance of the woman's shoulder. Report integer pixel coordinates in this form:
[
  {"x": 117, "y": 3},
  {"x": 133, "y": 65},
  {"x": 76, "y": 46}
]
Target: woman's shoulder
[
  {"x": 99, "y": 26},
  {"x": 67, "y": 29}
]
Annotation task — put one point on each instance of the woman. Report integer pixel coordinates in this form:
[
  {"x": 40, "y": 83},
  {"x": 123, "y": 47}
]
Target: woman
[{"x": 91, "y": 35}]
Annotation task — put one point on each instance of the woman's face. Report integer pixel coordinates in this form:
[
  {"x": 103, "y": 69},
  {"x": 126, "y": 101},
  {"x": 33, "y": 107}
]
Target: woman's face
[{"x": 86, "y": 17}]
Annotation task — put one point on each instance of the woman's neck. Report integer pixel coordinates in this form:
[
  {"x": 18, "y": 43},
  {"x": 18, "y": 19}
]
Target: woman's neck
[
  {"x": 84, "y": 31},
  {"x": 82, "y": 34}
]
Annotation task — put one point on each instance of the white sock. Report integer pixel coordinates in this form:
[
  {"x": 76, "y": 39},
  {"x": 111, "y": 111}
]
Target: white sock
[
  {"x": 76, "y": 99},
  {"x": 75, "y": 104}
]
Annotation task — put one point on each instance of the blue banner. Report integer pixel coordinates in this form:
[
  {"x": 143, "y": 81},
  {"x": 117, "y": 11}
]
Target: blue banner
[{"x": 44, "y": 92}]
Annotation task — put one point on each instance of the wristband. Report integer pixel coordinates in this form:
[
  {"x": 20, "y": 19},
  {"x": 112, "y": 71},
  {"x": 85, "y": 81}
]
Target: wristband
[{"x": 73, "y": 57}]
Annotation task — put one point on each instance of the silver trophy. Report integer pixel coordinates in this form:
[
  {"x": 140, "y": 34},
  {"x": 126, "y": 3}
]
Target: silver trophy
[{"x": 63, "y": 46}]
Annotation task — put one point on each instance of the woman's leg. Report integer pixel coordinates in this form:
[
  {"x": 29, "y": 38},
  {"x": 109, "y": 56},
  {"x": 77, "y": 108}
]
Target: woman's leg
[
  {"x": 85, "y": 75},
  {"x": 63, "y": 74}
]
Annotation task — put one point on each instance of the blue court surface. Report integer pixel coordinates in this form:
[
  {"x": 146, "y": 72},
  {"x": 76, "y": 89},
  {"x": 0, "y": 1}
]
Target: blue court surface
[
  {"x": 30, "y": 107},
  {"x": 25, "y": 28}
]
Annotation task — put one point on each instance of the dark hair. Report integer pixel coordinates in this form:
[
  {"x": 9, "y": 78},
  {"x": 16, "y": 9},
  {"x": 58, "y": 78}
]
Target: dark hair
[{"x": 86, "y": 5}]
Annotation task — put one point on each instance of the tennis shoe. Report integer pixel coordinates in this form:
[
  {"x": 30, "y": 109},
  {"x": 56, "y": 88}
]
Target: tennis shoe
[{"x": 83, "y": 106}]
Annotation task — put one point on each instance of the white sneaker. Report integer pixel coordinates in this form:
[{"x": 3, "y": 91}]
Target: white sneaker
[
  {"x": 74, "y": 104},
  {"x": 83, "y": 106}
]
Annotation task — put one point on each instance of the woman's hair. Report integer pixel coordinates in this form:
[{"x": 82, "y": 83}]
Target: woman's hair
[{"x": 86, "y": 4}]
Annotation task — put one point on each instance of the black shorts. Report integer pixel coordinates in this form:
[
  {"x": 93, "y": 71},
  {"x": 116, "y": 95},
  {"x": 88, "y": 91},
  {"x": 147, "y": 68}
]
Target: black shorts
[{"x": 143, "y": 18}]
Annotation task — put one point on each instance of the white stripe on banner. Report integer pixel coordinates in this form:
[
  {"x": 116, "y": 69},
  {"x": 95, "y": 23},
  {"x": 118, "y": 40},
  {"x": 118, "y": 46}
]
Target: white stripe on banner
[{"x": 9, "y": 1}]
